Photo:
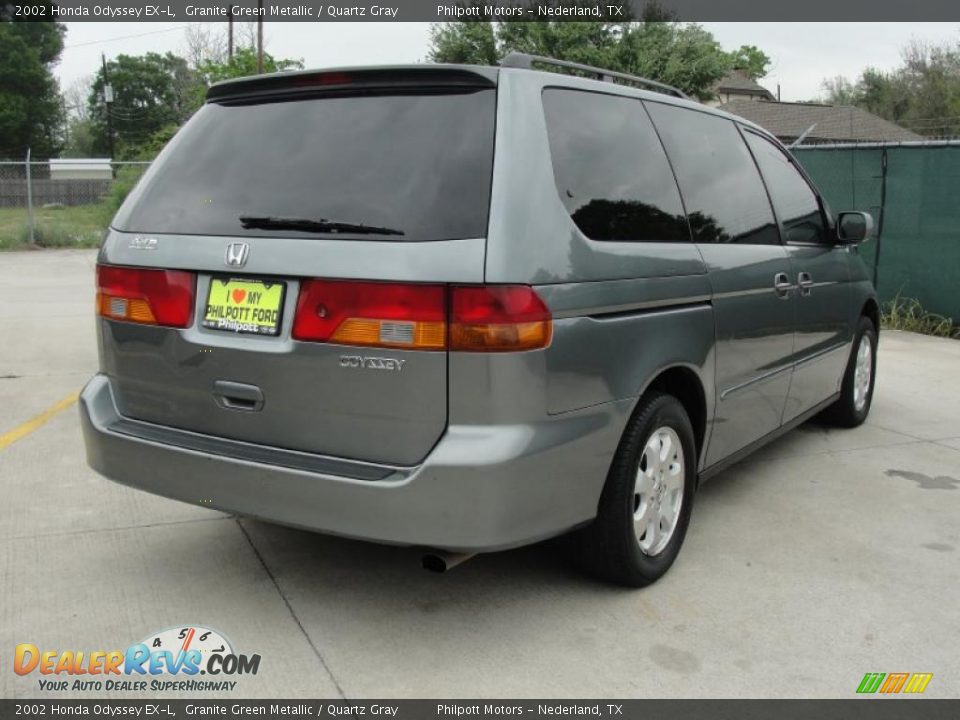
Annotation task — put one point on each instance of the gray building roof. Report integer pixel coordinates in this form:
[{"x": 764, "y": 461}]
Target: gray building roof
[{"x": 834, "y": 123}]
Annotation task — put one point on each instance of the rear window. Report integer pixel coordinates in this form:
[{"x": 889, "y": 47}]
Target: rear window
[
  {"x": 610, "y": 168},
  {"x": 416, "y": 165}
]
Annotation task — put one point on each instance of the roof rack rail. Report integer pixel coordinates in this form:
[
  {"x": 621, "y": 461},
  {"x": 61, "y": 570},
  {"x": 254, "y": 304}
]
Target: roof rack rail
[{"x": 523, "y": 60}]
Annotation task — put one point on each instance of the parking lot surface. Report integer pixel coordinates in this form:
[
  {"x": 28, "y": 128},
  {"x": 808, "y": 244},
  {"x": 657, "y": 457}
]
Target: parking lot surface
[{"x": 829, "y": 554}]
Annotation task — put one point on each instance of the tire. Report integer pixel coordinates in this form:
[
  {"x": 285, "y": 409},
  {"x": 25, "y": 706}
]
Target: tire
[
  {"x": 611, "y": 547},
  {"x": 856, "y": 392}
]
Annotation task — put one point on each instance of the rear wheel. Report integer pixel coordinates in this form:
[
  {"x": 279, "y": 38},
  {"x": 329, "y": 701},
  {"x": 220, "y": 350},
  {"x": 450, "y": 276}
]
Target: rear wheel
[
  {"x": 856, "y": 392},
  {"x": 645, "y": 506}
]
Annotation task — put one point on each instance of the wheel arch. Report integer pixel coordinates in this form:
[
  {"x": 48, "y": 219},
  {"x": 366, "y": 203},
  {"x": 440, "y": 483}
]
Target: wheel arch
[
  {"x": 685, "y": 384},
  {"x": 871, "y": 309}
]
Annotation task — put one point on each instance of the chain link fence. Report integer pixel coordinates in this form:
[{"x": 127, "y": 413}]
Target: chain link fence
[
  {"x": 912, "y": 190},
  {"x": 61, "y": 202}
]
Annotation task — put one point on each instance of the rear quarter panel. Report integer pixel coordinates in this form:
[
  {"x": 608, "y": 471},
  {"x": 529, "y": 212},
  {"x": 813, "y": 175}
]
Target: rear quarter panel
[{"x": 623, "y": 312}]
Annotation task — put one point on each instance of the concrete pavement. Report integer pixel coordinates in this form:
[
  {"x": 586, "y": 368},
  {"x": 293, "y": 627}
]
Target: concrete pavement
[{"x": 826, "y": 555}]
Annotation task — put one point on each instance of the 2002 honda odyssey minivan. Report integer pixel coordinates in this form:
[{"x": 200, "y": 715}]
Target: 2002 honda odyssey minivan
[{"x": 469, "y": 308}]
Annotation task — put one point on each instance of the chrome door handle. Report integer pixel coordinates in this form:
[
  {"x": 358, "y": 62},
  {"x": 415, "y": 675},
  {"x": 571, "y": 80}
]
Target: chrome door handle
[
  {"x": 805, "y": 282},
  {"x": 782, "y": 285}
]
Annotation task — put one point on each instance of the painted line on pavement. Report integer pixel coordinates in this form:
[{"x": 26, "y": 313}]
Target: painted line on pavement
[{"x": 39, "y": 421}]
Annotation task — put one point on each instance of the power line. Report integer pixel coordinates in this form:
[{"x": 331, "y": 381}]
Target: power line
[{"x": 129, "y": 37}]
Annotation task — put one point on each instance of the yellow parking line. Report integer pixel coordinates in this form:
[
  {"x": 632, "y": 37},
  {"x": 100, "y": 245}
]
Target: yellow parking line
[{"x": 28, "y": 427}]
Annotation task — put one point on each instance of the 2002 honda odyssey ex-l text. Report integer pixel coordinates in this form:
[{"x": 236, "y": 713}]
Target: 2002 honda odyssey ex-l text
[{"x": 469, "y": 308}]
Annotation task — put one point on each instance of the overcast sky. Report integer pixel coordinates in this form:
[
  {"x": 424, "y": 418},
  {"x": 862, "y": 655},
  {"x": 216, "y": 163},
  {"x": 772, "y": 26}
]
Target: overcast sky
[{"x": 803, "y": 54}]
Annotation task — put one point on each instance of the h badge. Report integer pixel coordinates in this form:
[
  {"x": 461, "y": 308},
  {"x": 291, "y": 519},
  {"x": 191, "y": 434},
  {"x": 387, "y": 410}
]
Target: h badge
[{"x": 236, "y": 255}]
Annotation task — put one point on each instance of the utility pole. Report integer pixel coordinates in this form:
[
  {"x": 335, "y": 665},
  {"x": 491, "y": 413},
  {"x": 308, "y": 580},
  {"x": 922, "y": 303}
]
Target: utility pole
[
  {"x": 108, "y": 102},
  {"x": 230, "y": 33},
  {"x": 259, "y": 37}
]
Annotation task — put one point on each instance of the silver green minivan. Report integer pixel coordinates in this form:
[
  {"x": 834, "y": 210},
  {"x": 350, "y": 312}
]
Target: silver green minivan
[{"x": 469, "y": 308}]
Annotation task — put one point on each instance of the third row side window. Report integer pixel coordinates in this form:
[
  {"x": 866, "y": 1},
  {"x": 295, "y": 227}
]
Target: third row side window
[{"x": 610, "y": 169}]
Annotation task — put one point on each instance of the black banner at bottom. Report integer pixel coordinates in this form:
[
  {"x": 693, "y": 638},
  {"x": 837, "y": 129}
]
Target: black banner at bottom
[{"x": 854, "y": 709}]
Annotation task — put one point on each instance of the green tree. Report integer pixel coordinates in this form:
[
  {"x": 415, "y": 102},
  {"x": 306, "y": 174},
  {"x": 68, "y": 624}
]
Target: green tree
[
  {"x": 751, "y": 60},
  {"x": 31, "y": 114},
  {"x": 922, "y": 94},
  {"x": 681, "y": 54},
  {"x": 150, "y": 92},
  {"x": 473, "y": 42},
  {"x": 243, "y": 64}
]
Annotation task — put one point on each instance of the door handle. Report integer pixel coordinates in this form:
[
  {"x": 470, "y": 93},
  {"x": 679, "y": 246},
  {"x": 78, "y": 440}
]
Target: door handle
[
  {"x": 782, "y": 285},
  {"x": 805, "y": 282},
  {"x": 237, "y": 396}
]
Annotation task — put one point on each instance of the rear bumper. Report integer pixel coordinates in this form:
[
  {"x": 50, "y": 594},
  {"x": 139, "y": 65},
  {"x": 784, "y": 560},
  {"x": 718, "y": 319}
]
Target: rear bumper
[{"x": 482, "y": 488}]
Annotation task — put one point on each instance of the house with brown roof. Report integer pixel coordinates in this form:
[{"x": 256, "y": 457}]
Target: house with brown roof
[
  {"x": 737, "y": 85},
  {"x": 817, "y": 123},
  {"x": 821, "y": 123}
]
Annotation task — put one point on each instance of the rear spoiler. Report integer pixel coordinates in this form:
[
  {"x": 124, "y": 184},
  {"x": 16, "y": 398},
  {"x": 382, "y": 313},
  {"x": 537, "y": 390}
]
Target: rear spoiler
[{"x": 290, "y": 84}]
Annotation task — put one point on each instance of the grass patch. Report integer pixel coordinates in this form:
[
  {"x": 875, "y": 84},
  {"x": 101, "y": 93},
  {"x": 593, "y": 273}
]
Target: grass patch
[
  {"x": 908, "y": 314},
  {"x": 80, "y": 226}
]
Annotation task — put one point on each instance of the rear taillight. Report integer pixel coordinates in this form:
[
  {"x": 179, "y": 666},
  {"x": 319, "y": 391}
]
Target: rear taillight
[
  {"x": 498, "y": 318},
  {"x": 378, "y": 314},
  {"x": 151, "y": 297},
  {"x": 491, "y": 318}
]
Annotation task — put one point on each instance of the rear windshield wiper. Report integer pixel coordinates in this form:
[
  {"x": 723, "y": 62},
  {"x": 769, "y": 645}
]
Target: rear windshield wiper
[{"x": 322, "y": 225}]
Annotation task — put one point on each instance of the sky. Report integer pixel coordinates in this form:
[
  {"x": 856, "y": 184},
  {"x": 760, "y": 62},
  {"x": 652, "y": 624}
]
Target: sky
[{"x": 803, "y": 54}]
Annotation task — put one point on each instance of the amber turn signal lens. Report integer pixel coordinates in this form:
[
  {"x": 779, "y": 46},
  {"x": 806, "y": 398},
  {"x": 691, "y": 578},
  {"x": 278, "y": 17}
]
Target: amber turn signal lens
[{"x": 498, "y": 318}]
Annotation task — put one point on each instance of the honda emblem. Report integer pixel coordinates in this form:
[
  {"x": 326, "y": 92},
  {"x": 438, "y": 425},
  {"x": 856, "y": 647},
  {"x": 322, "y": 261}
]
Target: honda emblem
[{"x": 237, "y": 254}]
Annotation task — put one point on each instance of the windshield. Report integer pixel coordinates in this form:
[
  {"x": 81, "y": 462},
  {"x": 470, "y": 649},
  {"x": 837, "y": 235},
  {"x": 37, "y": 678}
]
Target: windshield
[{"x": 417, "y": 166}]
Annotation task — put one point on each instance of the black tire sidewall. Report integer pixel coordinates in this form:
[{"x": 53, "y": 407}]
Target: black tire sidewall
[
  {"x": 864, "y": 328},
  {"x": 658, "y": 411}
]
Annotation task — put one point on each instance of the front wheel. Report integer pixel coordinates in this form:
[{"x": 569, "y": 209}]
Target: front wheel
[
  {"x": 646, "y": 502},
  {"x": 856, "y": 391}
]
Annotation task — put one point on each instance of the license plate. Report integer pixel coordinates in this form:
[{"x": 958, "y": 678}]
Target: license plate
[{"x": 244, "y": 306}]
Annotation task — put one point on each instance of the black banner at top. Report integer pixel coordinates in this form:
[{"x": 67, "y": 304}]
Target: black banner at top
[{"x": 490, "y": 10}]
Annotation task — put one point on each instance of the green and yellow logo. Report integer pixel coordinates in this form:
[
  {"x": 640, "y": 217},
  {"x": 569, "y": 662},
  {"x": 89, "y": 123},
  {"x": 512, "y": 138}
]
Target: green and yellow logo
[{"x": 892, "y": 683}]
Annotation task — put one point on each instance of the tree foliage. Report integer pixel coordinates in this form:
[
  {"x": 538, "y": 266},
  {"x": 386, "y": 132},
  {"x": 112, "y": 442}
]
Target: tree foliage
[
  {"x": 922, "y": 94},
  {"x": 681, "y": 54},
  {"x": 751, "y": 60},
  {"x": 31, "y": 113},
  {"x": 153, "y": 93},
  {"x": 150, "y": 92}
]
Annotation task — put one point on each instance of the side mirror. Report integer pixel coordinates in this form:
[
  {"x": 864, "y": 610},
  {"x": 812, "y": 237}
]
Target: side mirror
[{"x": 854, "y": 227}]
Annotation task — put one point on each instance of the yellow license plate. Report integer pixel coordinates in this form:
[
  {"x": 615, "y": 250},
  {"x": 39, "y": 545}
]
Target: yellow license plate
[{"x": 244, "y": 306}]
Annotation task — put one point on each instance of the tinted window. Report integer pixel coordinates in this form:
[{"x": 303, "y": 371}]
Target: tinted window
[
  {"x": 610, "y": 169},
  {"x": 420, "y": 164},
  {"x": 795, "y": 203},
  {"x": 725, "y": 198}
]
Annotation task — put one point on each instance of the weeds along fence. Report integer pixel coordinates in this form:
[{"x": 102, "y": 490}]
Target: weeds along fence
[
  {"x": 38, "y": 197},
  {"x": 913, "y": 192}
]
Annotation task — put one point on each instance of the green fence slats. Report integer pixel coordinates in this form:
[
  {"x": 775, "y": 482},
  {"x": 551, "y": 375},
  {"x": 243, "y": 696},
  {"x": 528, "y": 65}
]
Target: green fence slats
[{"x": 920, "y": 240}]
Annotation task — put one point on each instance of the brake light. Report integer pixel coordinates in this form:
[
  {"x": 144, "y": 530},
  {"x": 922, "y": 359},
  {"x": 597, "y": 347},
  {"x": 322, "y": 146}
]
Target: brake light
[
  {"x": 498, "y": 318},
  {"x": 370, "y": 313},
  {"x": 151, "y": 297},
  {"x": 330, "y": 78},
  {"x": 491, "y": 318}
]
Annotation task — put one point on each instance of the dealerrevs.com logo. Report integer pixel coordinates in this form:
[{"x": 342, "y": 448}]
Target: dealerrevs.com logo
[{"x": 170, "y": 660}]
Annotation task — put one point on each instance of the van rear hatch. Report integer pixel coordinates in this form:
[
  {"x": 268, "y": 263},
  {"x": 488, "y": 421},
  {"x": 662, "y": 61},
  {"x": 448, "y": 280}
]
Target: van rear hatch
[{"x": 313, "y": 222}]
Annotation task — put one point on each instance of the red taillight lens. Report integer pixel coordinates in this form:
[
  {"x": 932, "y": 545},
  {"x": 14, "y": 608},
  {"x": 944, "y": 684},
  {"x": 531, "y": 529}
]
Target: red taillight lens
[
  {"x": 493, "y": 318},
  {"x": 152, "y": 297},
  {"x": 498, "y": 318},
  {"x": 368, "y": 313}
]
